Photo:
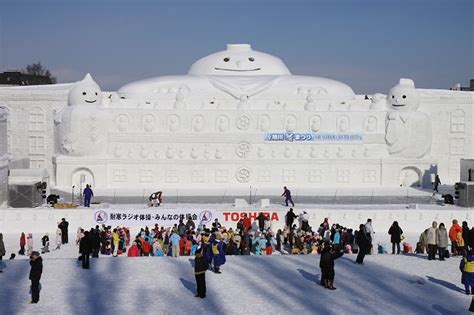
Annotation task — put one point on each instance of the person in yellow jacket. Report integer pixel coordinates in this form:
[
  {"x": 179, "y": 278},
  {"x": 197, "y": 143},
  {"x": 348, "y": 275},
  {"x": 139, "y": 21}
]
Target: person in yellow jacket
[
  {"x": 467, "y": 269},
  {"x": 116, "y": 240}
]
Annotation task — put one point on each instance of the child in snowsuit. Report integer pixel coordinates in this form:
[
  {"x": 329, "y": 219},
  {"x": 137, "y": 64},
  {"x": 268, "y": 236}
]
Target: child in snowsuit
[
  {"x": 467, "y": 268},
  {"x": 328, "y": 255}
]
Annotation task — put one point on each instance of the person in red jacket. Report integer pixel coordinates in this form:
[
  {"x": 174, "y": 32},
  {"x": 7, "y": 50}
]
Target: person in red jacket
[
  {"x": 453, "y": 232},
  {"x": 133, "y": 251},
  {"x": 247, "y": 222},
  {"x": 22, "y": 243},
  {"x": 146, "y": 248}
]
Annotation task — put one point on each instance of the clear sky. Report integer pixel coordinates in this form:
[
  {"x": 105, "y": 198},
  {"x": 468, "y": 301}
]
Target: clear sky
[{"x": 368, "y": 44}]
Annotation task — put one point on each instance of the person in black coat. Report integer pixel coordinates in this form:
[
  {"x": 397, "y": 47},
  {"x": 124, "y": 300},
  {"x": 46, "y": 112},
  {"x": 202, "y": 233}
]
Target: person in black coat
[
  {"x": 95, "y": 242},
  {"x": 363, "y": 241},
  {"x": 396, "y": 236},
  {"x": 328, "y": 255},
  {"x": 261, "y": 221},
  {"x": 200, "y": 267},
  {"x": 85, "y": 249},
  {"x": 36, "y": 263},
  {"x": 64, "y": 227},
  {"x": 290, "y": 217}
]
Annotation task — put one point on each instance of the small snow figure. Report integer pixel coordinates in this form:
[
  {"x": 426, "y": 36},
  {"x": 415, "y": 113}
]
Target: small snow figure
[
  {"x": 328, "y": 255},
  {"x": 467, "y": 268},
  {"x": 200, "y": 267},
  {"x": 36, "y": 263}
]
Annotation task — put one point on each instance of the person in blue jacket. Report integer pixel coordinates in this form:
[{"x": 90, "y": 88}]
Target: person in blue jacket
[
  {"x": 88, "y": 194},
  {"x": 174, "y": 240},
  {"x": 217, "y": 252}
]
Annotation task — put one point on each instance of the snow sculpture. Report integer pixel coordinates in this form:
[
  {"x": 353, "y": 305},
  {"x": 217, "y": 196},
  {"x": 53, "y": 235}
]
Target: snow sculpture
[
  {"x": 408, "y": 132},
  {"x": 82, "y": 127},
  {"x": 241, "y": 73}
]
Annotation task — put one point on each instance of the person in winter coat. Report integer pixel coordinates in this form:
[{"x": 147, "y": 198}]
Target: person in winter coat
[
  {"x": 36, "y": 263},
  {"x": 2, "y": 248},
  {"x": 395, "y": 232},
  {"x": 181, "y": 228},
  {"x": 45, "y": 242},
  {"x": 467, "y": 268},
  {"x": 29, "y": 244},
  {"x": 431, "y": 239},
  {"x": 267, "y": 225},
  {"x": 58, "y": 239},
  {"x": 465, "y": 235},
  {"x": 22, "y": 244},
  {"x": 133, "y": 251},
  {"x": 63, "y": 225},
  {"x": 190, "y": 225},
  {"x": 328, "y": 255},
  {"x": 287, "y": 195},
  {"x": 217, "y": 252},
  {"x": 88, "y": 194},
  {"x": 441, "y": 240},
  {"x": 290, "y": 217},
  {"x": 200, "y": 267},
  {"x": 174, "y": 240},
  {"x": 116, "y": 241},
  {"x": 453, "y": 232},
  {"x": 362, "y": 241},
  {"x": 261, "y": 221},
  {"x": 422, "y": 245},
  {"x": 370, "y": 233},
  {"x": 85, "y": 249}
]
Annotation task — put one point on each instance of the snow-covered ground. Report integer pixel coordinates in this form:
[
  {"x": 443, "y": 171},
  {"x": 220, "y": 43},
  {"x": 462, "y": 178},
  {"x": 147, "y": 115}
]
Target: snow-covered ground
[{"x": 277, "y": 284}]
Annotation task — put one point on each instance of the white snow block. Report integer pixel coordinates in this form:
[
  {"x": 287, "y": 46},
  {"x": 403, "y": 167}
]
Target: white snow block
[
  {"x": 239, "y": 203},
  {"x": 264, "y": 203}
]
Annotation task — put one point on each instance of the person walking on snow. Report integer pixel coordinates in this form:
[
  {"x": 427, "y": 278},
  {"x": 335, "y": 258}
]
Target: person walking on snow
[
  {"x": 287, "y": 194},
  {"x": 395, "y": 232},
  {"x": 328, "y": 255},
  {"x": 441, "y": 241},
  {"x": 88, "y": 194},
  {"x": 63, "y": 225},
  {"x": 36, "y": 263},
  {"x": 431, "y": 238},
  {"x": 22, "y": 243},
  {"x": 200, "y": 267},
  {"x": 362, "y": 240},
  {"x": 85, "y": 249},
  {"x": 370, "y": 233},
  {"x": 436, "y": 183}
]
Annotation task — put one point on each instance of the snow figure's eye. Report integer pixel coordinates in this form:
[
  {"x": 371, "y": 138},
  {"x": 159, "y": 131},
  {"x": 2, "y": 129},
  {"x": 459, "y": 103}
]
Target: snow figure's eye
[
  {"x": 96, "y": 93},
  {"x": 251, "y": 59},
  {"x": 404, "y": 96},
  {"x": 393, "y": 96},
  {"x": 84, "y": 93},
  {"x": 226, "y": 59}
]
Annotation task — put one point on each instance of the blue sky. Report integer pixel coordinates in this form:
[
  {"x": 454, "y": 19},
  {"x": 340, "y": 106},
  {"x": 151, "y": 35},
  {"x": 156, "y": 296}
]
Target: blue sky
[{"x": 366, "y": 44}]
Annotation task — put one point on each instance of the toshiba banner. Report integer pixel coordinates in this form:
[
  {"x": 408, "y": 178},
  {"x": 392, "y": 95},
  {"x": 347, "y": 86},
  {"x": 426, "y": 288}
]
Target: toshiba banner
[{"x": 231, "y": 216}]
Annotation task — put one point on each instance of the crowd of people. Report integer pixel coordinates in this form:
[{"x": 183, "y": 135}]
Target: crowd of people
[{"x": 211, "y": 244}]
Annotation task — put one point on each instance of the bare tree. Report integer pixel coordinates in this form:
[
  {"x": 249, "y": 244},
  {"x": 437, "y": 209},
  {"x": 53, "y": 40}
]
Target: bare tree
[{"x": 38, "y": 69}]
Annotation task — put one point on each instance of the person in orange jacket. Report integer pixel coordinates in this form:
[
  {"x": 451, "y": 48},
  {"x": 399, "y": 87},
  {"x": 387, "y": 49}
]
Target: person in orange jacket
[{"x": 453, "y": 233}]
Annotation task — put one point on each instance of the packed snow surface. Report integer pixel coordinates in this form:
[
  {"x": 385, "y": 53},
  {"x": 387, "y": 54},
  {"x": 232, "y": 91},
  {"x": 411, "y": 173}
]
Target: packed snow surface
[{"x": 277, "y": 284}]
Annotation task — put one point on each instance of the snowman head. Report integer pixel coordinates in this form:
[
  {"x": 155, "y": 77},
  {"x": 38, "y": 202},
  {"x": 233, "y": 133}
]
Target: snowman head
[
  {"x": 404, "y": 96},
  {"x": 85, "y": 92},
  {"x": 239, "y": 60}
]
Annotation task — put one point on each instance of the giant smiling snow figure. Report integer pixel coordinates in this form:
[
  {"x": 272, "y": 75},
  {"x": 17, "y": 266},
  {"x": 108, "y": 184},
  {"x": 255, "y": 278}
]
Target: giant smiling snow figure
[
  {"x": 241, "y": 73},
  {"x": 81, "y": 125},
  {"x": 408, "y": 132}
]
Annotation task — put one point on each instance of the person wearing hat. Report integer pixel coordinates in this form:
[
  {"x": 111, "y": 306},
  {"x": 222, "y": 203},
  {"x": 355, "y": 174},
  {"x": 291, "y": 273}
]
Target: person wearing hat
[
  {"x": 63, "y": 225},
  {"x": 36, "y": 263},
  {"x": 200, "y": 267}
]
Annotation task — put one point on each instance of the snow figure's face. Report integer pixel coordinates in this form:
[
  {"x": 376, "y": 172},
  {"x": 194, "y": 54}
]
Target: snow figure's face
[
  {"x": 238, "y": 60},
  {"x": 404, "y": 96},
  {"x": 85, "y": 92}
]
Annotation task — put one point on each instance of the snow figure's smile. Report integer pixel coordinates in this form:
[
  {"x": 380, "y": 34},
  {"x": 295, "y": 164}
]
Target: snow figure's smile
[
  {"x": 243, "y": 70},
  {"x": 90, "y": 101},
  {"x": 398, "y": 105}
]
